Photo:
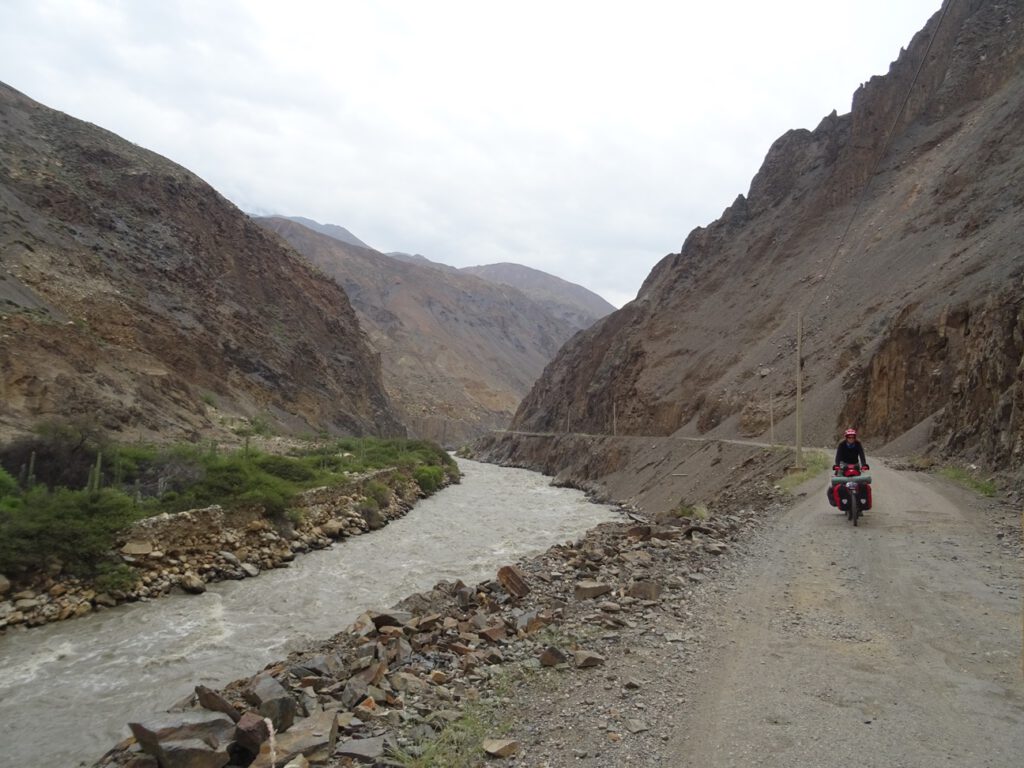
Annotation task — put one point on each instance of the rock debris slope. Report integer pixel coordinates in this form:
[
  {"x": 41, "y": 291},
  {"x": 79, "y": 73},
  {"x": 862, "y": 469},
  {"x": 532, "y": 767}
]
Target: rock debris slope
[
  {"x": 133, "y": 293},
  {"x": 912, "y": 323}
]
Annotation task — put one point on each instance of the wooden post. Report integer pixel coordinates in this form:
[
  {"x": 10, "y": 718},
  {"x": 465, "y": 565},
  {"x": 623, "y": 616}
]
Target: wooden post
[{"x": 799, "y": 392}]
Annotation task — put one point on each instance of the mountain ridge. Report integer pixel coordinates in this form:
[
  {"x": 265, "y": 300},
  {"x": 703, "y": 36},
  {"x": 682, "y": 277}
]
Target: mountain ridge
[
  {"x": 458, "y": 352},
  {"x": 926, "y": 264}
]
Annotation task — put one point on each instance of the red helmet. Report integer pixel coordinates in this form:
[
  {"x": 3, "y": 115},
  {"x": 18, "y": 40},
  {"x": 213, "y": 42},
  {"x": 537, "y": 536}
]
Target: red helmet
[{"x": 850, "y": 433}]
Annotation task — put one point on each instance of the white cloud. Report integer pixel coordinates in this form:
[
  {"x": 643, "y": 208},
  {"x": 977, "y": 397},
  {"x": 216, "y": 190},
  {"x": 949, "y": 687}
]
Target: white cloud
[{"x": 585, "y": 139}]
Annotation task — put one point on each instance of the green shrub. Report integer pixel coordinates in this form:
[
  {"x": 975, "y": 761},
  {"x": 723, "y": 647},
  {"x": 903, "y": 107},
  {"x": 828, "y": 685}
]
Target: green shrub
[
  {"x": 76, "y": 527},
  {"x": 233, "y": 481},
  {"x": 285, "y": 468},
  {"x": 379, "y": 492},
  {"x": 8, "y": 485},
  {"x": 115, "y": 577},
  {"x": 428, "y": 478}
]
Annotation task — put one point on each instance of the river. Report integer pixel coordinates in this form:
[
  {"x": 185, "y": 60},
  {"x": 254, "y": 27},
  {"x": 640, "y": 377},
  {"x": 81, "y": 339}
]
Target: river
[{"x": 68, "y": 689}]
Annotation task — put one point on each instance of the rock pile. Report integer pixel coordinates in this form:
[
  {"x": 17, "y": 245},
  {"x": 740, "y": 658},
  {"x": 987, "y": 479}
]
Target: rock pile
[
  {"x": 187, "y": 550},
  {"x": 396, "y": 678}
]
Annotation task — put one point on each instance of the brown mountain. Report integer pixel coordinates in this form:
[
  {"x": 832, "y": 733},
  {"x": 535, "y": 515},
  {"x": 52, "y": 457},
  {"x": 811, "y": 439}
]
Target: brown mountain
[
  {"x": 894, "y": 230},
  {"x": 572, "y": 303},
  {"x": 458, "y": 352},
  {"x": 132, "y": 293}
]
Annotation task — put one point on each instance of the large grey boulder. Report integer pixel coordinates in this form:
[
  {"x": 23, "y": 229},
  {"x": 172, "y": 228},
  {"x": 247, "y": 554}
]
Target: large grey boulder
[
  {"x": 314, "y": 738},
  {"x": 197, "y": 739},
  {"x": 272, "y": 700}
]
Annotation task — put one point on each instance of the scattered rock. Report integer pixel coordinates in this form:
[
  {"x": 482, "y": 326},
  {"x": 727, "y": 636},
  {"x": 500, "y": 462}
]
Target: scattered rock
[
  {"x": 513, "y": 580},
  {"x": 586, "y": 590},
  {"x": 585, "y": 659},
  {"x": 192, "y": 583},
  {"x": 362, "y": 750},
  {"x": 314, "y": 738},
  {"x": 552, "y": 657},
  {"x": 500, "y": 747}
]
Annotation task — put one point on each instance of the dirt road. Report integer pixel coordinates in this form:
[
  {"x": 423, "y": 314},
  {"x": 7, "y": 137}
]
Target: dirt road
[{"x": 896, "y": 644}]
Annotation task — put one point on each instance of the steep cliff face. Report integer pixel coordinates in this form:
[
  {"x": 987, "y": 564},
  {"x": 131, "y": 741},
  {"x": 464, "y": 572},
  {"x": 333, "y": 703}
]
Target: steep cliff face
[
  {"x": 458, "y": 352},
  {"x": 888, "y": 231},
  {"x": 132, "y": 293}
]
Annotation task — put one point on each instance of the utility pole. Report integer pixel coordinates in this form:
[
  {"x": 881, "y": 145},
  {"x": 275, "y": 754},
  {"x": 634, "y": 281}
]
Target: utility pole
[{"x": 799, "y": 392}]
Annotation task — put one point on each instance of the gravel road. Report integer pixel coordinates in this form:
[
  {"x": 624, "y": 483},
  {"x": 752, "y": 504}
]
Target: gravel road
[{"x": 896, "y": 644}]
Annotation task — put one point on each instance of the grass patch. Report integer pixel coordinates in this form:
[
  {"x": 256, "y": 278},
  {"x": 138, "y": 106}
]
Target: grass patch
[
  {"x": 815, "y": 462},
  {"x": 460, "y": 744},
  {"x": 970, "y": 480}
]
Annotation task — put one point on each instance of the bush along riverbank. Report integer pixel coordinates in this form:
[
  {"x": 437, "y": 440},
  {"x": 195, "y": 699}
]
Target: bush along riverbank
[
  {"x": 433, "y": 682},
  {"x": 150, "y": 519}
]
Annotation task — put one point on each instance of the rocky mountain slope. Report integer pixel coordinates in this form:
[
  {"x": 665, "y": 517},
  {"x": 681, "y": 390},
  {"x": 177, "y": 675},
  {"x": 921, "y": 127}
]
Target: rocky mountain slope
[
  {"x": 893, "y": 231},
  {"x": 573, "y": 303},
  {"x": 132, "y": 293},
  {"x": 458, "y": 352},
  {"x": 576, "y": 305}
]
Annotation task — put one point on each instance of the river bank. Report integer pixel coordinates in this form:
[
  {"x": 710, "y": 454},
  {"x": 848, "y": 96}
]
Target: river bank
[
  {"x": 405, "y": 681},
  {"x": 190, "y": 549}
]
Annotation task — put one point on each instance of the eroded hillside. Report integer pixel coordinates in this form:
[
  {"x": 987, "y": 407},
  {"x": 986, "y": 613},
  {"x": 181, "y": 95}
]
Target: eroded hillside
[
  {"x": 894, "y": 231},
  {"x": 133, "y": 294}
]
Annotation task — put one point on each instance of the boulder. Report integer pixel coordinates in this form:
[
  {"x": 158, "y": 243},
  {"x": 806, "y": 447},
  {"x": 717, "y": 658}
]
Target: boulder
[
  {"x": 333, "y": 528},
  {"x": 251, "y": 731},
  {"x": 272, "y": 700},
  {"x": 250, "y": 569},
  {"x": 513, "y": 580},
  {"x": 196, "y": 739},
  {"x": 137, "y": 548},
  {"x": 585, "y": 590},
  {"x": 213, "y": 701},
  {"x": 552, "y": 657},
  {"x": 5, "y": 585},
  {"x": 362, "y": 750},
  {"x": 192, "y": 583},
  {"x": 191, "y": 753},
  {"x": 313, "y": 738},
  {"x": 500, "y": 747},
  {"x": 585, "y": 659}
]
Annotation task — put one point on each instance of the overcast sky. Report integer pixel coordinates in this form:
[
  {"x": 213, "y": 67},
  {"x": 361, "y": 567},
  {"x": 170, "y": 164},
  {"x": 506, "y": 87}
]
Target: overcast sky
[{"x": 582, "y": 138}]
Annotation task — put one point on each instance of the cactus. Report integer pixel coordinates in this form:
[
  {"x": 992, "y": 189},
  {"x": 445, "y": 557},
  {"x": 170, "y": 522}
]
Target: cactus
[{"x": 95, "y": 474}]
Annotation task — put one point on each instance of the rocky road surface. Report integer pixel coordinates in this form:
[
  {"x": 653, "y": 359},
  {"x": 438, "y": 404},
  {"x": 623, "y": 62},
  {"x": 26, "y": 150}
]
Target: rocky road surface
[{"x": 897, "y": 644}]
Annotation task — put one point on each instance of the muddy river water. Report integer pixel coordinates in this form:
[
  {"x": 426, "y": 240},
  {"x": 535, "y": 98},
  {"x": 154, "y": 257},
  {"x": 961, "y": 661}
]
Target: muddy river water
[{"x": 67, "y": 690}]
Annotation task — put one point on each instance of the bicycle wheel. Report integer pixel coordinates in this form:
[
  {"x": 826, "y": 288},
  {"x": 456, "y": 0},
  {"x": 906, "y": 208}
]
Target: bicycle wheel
[{"x": 854, "y": 508}]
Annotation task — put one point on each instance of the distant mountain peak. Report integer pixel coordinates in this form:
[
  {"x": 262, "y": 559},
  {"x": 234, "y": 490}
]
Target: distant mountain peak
[{"x": 331, "y": 230}]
